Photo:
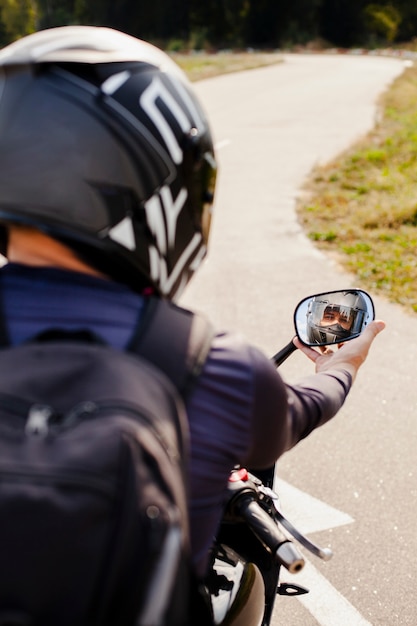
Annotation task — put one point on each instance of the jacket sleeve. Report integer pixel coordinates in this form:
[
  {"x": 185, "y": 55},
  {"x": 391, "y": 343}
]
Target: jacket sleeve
[
  {"x": 284, "y": 414},
  {"x": 315, "y": 400}
]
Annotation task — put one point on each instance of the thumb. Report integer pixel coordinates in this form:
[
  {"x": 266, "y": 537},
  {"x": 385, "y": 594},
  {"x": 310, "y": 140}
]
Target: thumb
[{"x": 373, "y": 329}]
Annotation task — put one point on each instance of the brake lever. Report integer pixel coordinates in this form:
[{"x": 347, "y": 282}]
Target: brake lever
[{"x": 323, "y": 553}]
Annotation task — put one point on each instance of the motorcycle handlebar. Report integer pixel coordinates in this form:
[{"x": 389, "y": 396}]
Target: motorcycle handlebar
[{"x": 268, "y": 533}]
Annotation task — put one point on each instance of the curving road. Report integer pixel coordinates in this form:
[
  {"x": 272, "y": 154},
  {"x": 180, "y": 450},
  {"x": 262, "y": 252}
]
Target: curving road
[{"x": 271, "y": 127}]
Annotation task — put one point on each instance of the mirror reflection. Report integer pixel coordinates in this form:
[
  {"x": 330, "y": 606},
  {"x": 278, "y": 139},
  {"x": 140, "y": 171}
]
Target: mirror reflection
[{"x": 333, "y": 317}]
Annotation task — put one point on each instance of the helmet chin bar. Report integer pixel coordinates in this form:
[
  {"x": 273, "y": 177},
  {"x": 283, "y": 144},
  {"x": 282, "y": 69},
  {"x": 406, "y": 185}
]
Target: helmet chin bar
[{"x": 333, "y": 333}]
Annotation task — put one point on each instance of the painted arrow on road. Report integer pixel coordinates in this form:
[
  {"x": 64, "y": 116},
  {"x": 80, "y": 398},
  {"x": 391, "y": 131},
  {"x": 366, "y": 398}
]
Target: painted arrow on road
[{"x": 309, "y": 515}]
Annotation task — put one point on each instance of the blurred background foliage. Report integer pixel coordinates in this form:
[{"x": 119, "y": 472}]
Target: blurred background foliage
[{"x": 180, "y": 25}]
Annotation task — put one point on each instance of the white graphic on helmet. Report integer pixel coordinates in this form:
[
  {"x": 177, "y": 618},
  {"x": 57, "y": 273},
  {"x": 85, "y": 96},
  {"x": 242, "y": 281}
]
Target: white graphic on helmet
[
  {"x": 148, "y": 99},
  {"x": 162, "y": 210},
  {"x": 162, "y": 213},
  {"x": 172, "y": 210},
  {"x": 114, "y": 82},
  {"x": 158, "y": 267},
  {"x": 123, "y": 233}
]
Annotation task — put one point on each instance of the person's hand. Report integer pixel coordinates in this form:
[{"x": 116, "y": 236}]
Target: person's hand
[{"x": 347, "y": 356}]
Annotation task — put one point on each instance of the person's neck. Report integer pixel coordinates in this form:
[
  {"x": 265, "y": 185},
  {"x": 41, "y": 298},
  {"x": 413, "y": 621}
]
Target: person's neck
[{"x": 28, "y": 246}]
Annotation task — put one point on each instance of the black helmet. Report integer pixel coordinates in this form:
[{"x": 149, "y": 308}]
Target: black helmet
[
  {"x": 333, "y": 317},
  {"x": 104, "y": 146}
]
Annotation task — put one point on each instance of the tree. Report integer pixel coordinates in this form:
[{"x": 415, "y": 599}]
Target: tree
[
  {"x": 407, "y": 30},
  {"x": 55, "y": 13},
  {"x": 383, "y": 21},
  {"x": 18, "y": 18},
  {"x": 231, "y": 23},
  {"x": 340, "y": 21}
]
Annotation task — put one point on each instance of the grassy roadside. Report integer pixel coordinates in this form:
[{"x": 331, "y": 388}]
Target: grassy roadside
[
  {"x": 362, "y": 207},
  {"x": 201, "y": 65}
]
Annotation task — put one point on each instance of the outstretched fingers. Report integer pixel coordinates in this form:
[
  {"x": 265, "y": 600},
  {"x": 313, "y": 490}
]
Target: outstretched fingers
[{"x": 351, "y": 354}]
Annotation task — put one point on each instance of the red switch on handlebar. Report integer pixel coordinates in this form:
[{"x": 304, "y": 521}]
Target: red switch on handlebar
[{"x": 240, "y": 474}]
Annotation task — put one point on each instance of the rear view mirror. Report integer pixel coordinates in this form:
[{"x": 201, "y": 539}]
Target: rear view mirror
[{"x": 333, "y": 317}]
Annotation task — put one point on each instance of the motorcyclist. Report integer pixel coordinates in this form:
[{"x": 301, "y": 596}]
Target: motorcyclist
[
  {"x": 332, "y": 317},
  {"x": 106, "y": 188}
]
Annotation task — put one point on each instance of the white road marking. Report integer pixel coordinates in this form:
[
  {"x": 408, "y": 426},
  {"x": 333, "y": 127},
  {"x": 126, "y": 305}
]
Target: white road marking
[
  {"x": 308, "y": 514},
  {"x": 323, "y": 601}
]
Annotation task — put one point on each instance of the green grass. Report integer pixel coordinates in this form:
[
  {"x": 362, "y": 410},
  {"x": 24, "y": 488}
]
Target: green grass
[
  {"x": 362, "y": 207},
  {"x": 203, "y": 65}
]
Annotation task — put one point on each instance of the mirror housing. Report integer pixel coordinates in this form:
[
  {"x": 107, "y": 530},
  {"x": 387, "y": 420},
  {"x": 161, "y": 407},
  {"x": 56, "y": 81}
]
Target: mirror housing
[{"x": 333, "y": 316}]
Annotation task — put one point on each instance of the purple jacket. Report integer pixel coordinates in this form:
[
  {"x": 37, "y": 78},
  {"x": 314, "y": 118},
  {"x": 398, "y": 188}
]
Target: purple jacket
[{"x": 240, "y": 412}]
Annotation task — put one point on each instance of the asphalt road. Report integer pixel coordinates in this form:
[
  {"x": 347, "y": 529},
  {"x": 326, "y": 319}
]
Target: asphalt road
[{"x": 271, "y": 127}]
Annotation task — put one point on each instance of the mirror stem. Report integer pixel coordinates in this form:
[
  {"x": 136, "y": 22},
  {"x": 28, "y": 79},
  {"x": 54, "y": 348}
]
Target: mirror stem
[{"x": 283, "y": 354}]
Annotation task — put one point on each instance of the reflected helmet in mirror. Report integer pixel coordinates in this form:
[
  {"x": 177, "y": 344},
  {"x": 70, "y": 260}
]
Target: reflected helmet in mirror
[
  {"x": 105, "y": 147},
  {"x": 332, "y": 317}
]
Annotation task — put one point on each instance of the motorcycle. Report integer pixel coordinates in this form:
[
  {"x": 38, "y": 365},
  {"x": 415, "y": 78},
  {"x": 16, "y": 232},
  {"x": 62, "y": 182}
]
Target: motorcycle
[{"x": 255, "y": 539}]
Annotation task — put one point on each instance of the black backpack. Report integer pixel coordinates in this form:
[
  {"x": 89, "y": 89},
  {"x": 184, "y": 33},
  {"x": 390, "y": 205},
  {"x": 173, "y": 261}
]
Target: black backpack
[{"x": 93, "y": 455}]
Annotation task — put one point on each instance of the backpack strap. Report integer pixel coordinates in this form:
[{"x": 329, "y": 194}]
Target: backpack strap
[{"x": 175, "y": 340}]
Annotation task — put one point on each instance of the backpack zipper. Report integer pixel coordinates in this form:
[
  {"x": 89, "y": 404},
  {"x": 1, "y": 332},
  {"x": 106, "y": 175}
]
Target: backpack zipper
[
  {"x": 40, "y": 417},
  {"x": 93, "y": 409},
  {"x": 105, "y": 487},
  {"x": 38, "y": 420}
]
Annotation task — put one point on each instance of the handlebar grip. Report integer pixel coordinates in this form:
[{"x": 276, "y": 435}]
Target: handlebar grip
[{"x": 268, "y": 533}]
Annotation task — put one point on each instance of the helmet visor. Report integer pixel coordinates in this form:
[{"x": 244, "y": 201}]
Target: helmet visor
[{"x": 345, "y": 319}]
